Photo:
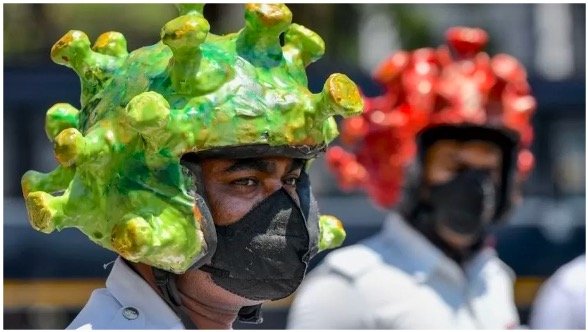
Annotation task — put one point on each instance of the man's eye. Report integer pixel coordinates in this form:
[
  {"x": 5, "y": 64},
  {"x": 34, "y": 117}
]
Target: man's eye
[
  {"x": 245, "y": 182},
  {"x": 291, "y": 181}
]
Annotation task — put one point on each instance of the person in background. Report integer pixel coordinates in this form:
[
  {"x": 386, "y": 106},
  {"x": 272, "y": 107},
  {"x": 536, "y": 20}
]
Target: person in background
[
  {"x": 561, "y": 301},
  {"x": 444, "y": 150},
  {"x": 189, "y": 159}
]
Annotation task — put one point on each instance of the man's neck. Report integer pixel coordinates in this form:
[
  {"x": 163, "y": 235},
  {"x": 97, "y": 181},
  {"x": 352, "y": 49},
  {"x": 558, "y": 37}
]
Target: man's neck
[
  {"x": 209, "y": 316},
  {"x": 201, "y": 303}
]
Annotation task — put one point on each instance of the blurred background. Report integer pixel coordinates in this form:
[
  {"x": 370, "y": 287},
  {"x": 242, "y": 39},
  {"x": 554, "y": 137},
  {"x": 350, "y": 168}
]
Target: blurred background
[{"x": 48, "y": 278}]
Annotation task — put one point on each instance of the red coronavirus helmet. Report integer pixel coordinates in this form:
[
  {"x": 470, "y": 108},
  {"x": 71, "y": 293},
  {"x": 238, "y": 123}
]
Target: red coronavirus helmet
[{"x": 455, "y": 89}]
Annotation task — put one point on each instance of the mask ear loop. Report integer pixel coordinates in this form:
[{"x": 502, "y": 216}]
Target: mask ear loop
[
  {"x": 207, "y": 225},
  {"x": 309, "y": 208}
]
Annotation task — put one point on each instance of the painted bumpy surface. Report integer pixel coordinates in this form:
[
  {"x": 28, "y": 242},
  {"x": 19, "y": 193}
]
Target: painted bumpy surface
[{"x": 119, "y": 178}]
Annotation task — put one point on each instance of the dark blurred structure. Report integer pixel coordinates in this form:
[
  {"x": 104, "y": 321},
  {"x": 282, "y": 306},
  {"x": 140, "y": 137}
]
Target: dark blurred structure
[{"x": 48, "y": 277}]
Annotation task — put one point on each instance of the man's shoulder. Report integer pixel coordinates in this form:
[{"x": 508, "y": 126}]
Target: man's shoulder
[
  {"x": 353, "y": 260},
  {"x": 127, "y": 302},
  {"x": 489, "y": 265},
  {"x": 100, "y": 310},
  {"x": 358, "y": 260}
]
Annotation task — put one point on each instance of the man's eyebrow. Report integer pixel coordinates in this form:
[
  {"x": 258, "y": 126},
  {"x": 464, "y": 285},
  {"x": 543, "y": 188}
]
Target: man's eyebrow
[
  {"x": 256, "y": 164},
  {"x": 296, "y": 164},
  {"x": 261, "y": 165}
]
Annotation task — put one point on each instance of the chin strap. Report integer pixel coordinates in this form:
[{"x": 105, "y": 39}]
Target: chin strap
[{"x": 166, "y": 282}]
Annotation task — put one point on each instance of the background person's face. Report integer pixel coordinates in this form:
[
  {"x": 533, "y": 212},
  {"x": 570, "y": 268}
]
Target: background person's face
[
  {"x": 234, "y": 186},
  {"x": 445, "y": 158}
]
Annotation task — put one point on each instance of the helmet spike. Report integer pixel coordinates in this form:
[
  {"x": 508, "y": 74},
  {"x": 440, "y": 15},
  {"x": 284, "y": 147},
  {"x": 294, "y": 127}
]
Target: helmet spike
[
  {"x": 111, "y": 43},
  {"x": 59, "y": 117},
  {"x": 191, "y": 9},
  {"x": 190, "y": 73},
  {"x": 259, "y": 41},
  {"x": 94, "y": 69},
  {"x": 148, "y": 115},
  {"x": 339, "y": 96},
  {"x": 304, "y": 44},
  {"x": 465, "y": 41}
]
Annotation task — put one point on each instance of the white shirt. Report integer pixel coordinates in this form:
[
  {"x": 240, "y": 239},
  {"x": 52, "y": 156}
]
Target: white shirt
[
  {"x": 127, "y": 302},
  {"x": 561, "y": 301},
  {"x": 398, "y": 280}
]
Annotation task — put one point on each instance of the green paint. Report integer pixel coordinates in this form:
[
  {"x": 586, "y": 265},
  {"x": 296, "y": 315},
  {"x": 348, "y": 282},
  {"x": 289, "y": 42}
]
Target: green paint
[{"x": 119, "y": 179}]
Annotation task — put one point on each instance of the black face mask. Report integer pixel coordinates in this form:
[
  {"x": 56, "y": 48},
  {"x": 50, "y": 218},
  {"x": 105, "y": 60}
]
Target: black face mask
[
  {"x": 466, "y": 203},
  {"x": 264, "y": 255}
]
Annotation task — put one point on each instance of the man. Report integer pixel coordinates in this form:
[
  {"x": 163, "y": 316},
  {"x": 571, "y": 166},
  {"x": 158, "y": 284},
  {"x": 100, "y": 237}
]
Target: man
[
  {"x": 189, "y": 159},
  {"x": 445, "y": 146}
]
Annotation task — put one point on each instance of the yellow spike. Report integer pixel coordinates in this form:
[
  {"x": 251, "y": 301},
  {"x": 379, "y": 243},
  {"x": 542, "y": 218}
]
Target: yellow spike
[
  {"x": 339, "y": 96},
  {"x": 111, "y": 43},
  {"x": 71, "y": 49},
  {"x": 68, "y": 146}
]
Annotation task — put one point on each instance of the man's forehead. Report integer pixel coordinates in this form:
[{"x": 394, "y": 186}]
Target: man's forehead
[{"x": 264, "y": 164}]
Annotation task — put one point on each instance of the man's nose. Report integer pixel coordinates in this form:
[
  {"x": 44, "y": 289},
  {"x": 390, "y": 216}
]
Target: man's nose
[{"x": 274, "y": 185}]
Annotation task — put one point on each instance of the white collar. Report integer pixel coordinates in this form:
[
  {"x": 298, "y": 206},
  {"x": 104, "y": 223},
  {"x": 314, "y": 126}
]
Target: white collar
[
  {"x": 423, "y": 257},
  {"x": 130, "y": 290}
]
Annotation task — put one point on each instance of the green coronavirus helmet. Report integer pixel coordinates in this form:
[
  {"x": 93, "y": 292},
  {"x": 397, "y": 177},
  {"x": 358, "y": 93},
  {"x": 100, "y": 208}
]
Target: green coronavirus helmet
[{"x": 119, "y": 178}]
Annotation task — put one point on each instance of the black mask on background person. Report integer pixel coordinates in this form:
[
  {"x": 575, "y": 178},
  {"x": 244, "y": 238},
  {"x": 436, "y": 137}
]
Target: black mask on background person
[
  {"x": 264, "y": 255},
  {"x": 464, "y": 204}
]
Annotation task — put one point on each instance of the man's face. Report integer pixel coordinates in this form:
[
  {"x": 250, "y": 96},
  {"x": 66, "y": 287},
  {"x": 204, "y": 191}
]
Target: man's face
[
  {"x": 234, "y": 186},
  {"x": 445, "y": 158}
]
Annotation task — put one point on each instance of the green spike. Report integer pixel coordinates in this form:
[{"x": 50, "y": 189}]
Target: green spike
[
  {"x": 59, "y": 117},
  {"x": 94, "y": 69},
  {"x": 339, "y": 96},
  {"x": 111, "y": 43},
  {"x": 332, "y": 233},
  {"x": 191, "y": 74},
  {"x": 259, "y": 41},
  {"x": 191, "y": 9},
  {"x": 304, "y": 43}
]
